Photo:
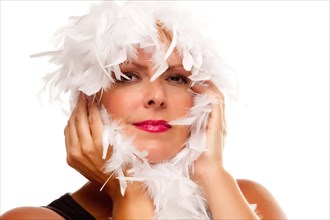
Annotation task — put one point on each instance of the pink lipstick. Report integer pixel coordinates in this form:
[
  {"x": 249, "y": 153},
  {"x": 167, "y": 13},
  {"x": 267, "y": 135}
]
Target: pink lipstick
[{"x": 153, "y": 126}]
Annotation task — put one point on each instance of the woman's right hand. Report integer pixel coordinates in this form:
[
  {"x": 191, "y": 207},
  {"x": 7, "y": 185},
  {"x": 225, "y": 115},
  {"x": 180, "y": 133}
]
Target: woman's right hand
[{"x": 83, "y": 140}]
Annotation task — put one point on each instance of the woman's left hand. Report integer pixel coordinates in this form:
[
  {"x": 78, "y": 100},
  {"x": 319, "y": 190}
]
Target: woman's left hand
[
  {"x": 222, "y": 193},
  {"x": 212, "y": 159}
]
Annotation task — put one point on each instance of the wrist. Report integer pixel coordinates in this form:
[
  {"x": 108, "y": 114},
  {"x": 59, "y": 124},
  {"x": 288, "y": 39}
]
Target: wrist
[
  {"x": 135, "y": 192},
  {"x": 134, "y": 204},
  {"x": 207, "y": 172}
]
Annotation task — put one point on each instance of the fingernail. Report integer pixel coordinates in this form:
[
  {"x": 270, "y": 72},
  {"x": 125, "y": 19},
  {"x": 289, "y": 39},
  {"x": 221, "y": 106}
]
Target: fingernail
[
  {"x": 190, "y": 90},
  {"x": 89, "y": 99},
  {"x": 200, "y": 83}
]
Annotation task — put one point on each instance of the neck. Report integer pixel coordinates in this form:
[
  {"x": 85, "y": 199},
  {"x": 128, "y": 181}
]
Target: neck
[{"x": 97, "y": 203}]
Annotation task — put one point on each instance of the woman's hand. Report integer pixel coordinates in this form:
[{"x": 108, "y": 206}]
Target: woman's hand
[
  {"x": 222, "y": 193},
  {"x": 212, "y": 159},
  {"x": 83, "y": 140}
]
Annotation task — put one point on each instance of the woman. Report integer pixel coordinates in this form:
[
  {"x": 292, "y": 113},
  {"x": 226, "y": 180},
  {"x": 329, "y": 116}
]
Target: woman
[{"x": 148, "y": 126}]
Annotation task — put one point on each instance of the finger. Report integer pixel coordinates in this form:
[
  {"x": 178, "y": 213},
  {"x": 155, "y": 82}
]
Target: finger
[
  {"x": 209, "y": 88},
  {"x": 216, "y": 124},
  {"x": 71, "y": 137},
  {"x": 76, "y": 158},
  {"x": 82, "y": 125},
  {"x": 72, "y": 144},
  {"x": 75, "y": 152},
  {"x": 217, "y": 119},
  {"x": 89, "y": 164},
  {"x": 96, "y": 127},
  {"x": 95, "y": 124}
]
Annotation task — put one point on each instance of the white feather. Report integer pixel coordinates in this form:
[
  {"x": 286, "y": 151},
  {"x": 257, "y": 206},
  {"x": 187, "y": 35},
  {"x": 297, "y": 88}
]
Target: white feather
[
  {"x": 173, "y": 43},
  {"x": 187, "y": 61},
  {"x": 162, "y": 68}
]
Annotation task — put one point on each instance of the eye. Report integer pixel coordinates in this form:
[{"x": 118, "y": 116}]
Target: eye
[
  {"x": 129, "y": 77},
  {"x": 178, "y": 79}
]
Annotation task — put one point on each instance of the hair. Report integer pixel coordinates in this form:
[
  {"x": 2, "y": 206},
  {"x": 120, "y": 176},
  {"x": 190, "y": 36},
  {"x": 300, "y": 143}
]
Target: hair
[{"x": 163, "y": 32}]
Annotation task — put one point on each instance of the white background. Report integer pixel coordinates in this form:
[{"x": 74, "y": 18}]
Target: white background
[{"x": 278, "y": 132}]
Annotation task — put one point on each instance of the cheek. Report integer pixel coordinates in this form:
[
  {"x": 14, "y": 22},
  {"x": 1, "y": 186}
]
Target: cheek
[
  {"x": 182, "y": 104},
  {"x": 187, "y": 100},
  {"x": 119, "y": 104}
]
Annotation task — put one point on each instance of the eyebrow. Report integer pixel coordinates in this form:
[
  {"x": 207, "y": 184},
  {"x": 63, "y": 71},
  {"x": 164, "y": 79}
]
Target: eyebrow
[
  {"x": 139, "y": 65},
  {"x": 174, "y": 66}
]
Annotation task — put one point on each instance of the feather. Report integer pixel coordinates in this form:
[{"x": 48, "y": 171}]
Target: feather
[
  {"x": 173, "y": 44},
  {"x": 117, "y": 71},
  {"x": 122, "y": 56},
  {"x": 106, "y": 135},
  {"x": 122, "y": 181},
  {"x": 46, "y": 53},
  {"x": 253, "y": 207},
  {"x": 94, "y": 85},
  {"x": 187, "y": 61},
  {"x": 198, "y": 59},
  {"x": 100, "y": 37},
  {"x": 183, "y": 121},
  {"x": 162, "y": 68}
]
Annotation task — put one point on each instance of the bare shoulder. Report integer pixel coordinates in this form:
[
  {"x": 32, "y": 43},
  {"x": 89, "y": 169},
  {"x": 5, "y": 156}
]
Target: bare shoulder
[
  {"x": 30, "y": 213},
  {"x": 255, "y": 193}
]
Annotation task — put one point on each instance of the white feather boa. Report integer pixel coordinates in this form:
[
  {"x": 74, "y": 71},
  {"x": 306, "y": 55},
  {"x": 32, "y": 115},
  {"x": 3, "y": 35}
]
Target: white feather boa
[
  {"x": 174, "y": 194},
  {"x": 93, "y": 46}
]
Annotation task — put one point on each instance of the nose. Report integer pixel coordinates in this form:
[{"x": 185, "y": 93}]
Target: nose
[{"x": 155, "y": 96}]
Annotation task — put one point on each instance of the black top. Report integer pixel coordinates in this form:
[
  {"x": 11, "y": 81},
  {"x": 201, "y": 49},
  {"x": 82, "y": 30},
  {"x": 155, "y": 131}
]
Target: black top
[{"x": 69, "y": 209}]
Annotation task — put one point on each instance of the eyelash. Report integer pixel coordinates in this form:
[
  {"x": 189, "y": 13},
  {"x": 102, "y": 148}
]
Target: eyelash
[
  {"x": 183, "y": 79},
  {"x": 174, "y": 78},
  {"x": 130, "y": 75}
]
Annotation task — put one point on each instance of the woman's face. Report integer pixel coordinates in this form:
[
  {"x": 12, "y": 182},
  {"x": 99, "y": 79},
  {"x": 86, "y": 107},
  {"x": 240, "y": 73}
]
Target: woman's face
[{"x": 145, "y": 108}]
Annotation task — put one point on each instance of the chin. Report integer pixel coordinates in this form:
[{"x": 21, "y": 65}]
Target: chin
[{"x": 158, "y": 153}]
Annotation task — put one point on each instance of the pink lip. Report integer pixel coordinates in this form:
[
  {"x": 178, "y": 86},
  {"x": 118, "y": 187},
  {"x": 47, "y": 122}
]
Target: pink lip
[{"x": 153, "y": 126}]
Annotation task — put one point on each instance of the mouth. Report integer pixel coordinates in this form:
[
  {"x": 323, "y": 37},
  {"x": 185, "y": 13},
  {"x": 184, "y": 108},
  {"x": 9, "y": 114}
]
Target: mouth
[{"x": 153, "y": 126}]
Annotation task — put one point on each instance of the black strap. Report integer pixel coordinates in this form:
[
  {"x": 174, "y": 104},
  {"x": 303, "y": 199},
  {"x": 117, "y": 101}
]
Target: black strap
[{"x": 69, "y": 209}]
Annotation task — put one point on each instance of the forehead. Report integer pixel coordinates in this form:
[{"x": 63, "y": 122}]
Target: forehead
[{"x": 146, "y": 57}]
